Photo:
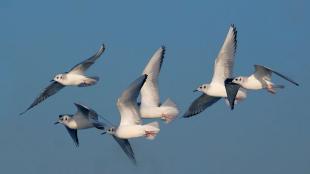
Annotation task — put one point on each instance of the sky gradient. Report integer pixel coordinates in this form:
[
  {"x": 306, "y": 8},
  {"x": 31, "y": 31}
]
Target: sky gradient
[{"x": 264, "y": 134}]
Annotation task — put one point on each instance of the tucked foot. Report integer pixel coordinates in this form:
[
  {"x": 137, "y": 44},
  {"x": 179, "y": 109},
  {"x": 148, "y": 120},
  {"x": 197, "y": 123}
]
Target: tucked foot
[
  {"x": 271, "y": 89},
  {"x": 167, "y": 118},
  {"x": 149, "y": 134}
]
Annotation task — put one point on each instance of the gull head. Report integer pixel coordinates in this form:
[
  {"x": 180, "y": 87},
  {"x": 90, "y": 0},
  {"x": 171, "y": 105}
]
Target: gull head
[
  {"x": 202, "y": 88},
  {"x": 63, "y": 119},
  {"x": 238, "y": 80},
  {"x": 59, "y": 78}
]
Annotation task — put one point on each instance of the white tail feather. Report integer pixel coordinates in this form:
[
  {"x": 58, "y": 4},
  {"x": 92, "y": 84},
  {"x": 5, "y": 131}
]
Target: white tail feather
[{"x": 151, "y": 130}]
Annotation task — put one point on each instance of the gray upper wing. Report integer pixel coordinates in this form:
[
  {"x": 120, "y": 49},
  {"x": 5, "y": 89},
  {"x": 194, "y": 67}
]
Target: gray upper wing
[
  {"x": 277, "y": 73},
  {"x": 83, "y": 66},
  {"x": 73, "y": 135},
  {"x": 125, "y": 145},
  {"x": 84, "y": 111},
  {"x": 200, "y": 104},
  {"x": 52, "y": 89}
]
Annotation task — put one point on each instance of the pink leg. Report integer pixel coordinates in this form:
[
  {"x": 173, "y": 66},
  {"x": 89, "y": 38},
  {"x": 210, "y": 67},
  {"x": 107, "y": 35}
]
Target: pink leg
[
  {"x": 167, "y": 118},
  {"x": 270, "y": 89}
]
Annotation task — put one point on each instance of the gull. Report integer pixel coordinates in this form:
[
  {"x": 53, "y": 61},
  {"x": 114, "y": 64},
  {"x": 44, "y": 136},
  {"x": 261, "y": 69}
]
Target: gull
[
  {"x": 260, "y": 79},
  {"x": 130, "y": 125},
  {"x": 223, "y": 69},
  {"x": 150, "y": 106},
  {"x": 75, "y": 77},
  {"x": 86, "y": 118}
]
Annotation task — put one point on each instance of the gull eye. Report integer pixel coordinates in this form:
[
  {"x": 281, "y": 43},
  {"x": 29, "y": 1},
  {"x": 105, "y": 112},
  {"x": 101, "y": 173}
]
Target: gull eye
[{"x": 200, "y": 87}]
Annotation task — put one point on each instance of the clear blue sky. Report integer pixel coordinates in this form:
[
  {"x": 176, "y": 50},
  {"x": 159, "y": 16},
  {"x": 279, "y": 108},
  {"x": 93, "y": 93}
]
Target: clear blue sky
[{"x": 265, "y": 134}]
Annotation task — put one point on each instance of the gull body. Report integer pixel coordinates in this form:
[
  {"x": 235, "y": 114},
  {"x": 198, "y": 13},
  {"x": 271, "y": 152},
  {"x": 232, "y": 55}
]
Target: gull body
[
  {"x": 72, "y": 79},
  {"x": 75, "y": 77},
  {"x": 150, "y": 106},
  {"x": 223, "y": 69},
  {"x": 261, "y": 79}
]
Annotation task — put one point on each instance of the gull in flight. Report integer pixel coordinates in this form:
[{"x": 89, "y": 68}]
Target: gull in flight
[
  {"x": 75, "y": 77},
  {"x": 223, "y": 69},
  {"x": 130, "y": 125},
  {"x": 150, "y": 106},
  {"x": 86, "y": 118},
  {"x": 260, "y": 79}
]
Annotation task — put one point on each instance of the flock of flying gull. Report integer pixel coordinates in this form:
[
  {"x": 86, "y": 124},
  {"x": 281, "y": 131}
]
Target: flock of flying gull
[{"x": 223, "y": 85}]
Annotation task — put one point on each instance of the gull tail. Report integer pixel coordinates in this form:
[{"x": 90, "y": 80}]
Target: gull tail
[
  {"x": 89, "y": 81},
  {"x": 151, "y": 130},
  {"x": 170, "y": 110}
]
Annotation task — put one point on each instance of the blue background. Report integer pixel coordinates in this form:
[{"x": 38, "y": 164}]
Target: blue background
[{"x": 265, "y": 134}]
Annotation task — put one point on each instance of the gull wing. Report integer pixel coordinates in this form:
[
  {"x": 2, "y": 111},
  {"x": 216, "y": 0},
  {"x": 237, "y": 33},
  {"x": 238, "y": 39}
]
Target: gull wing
[
  {"x": 83, "y": 66},
  {"x": 86, "y": 112},
  {"x": 265, "y": 72},
  {"x": 127, "y": 102},
  {"x": 200, "y": 104},
  {"x": 224, "y": 63},
  {"x": 149, "y": 91},
  {"x": 73, "y": 135},
  {"x": 50, "y": 90},
  {"x": 126, "y": 147},
  {"x": 231, "y": 91}
]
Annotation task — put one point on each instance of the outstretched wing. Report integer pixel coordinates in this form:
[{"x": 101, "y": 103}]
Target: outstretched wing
[
  {"x": 224, "y": 63},
  {"x": 85, "y": 112},
  {"x": 73, "y": 135},
  {"x": 52, "y": 89},
  {"x": 83, "y": 66},
  {"x": 200, "y": 104},
  {"x": 149, "y": 91},
  {"x": 265, "y": 72},
  {"x": 231, "y": 91},
  {"x": 127, "y": 103},
  {"x": 125, "y": 145}
]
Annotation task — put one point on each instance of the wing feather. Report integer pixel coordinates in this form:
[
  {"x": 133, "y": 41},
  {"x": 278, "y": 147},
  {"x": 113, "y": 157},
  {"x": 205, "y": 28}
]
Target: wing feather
[
  {"x": 126, "y": 147},
  {"x": 81, "y": 67},
  {"x": 223, "y": 66},
  {"x": 200, "y": 104},
  {"x": 150, "y": 91},
  {"x": 127, "y": 102},
  {"x": 50, "y": 90}
]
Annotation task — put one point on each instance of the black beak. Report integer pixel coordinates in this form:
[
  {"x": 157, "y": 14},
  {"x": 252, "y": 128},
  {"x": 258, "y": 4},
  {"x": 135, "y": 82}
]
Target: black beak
[
  {"x": 195, "y": 90},
  {"x": 52, "y": 80},
  {"x": 103, "y": 133},
  {"x": 56, "y": 122}
]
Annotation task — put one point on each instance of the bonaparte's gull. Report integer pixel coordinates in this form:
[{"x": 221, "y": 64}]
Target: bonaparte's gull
[
  {"x": 260, "y": 79},
  {"x": 150, "y": 106},
  {"x": 223, "y": 69},
  {"x": 131, "y": 124},
  {"x": 84, "y": 118},
  {"x": 75, "y": 77}
]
